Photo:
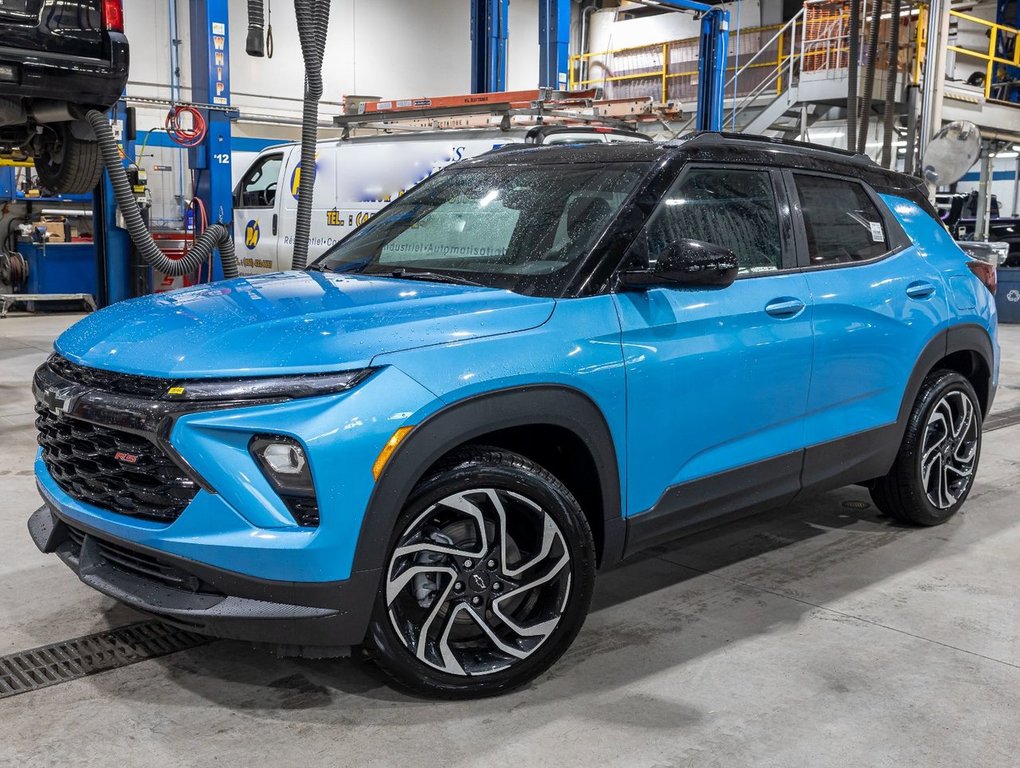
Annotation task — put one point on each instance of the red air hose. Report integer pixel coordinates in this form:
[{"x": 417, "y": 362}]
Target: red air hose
[{"x": 185, "y": 136}]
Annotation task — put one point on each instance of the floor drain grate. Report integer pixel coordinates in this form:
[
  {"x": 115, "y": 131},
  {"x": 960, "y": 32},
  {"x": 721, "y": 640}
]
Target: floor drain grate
[
  {"x": 1002, "y": 419},
  {"x": 74, "y": 659}
]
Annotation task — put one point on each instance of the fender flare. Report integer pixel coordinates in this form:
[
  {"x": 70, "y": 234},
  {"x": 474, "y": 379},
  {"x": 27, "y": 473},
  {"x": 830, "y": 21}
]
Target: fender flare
[
  {"x": 967, "y": 337},
  {"x": 467, "y": 419}
]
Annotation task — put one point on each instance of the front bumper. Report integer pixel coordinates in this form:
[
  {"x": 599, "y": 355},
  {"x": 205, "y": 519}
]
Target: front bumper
[{"x": 304, "y": 619}]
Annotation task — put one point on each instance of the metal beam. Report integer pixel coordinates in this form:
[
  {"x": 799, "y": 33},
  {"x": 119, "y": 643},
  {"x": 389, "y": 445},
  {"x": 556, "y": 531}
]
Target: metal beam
[
  {"x": 210, "y": 73},
  {"x": 553, "y": 43},
  {"x": 933, "y": 84},
  {"x": 488, "y": 45},
  {"x": 984, "y": 194}
]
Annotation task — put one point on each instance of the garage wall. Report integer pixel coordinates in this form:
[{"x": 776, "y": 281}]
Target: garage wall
[
  {"x": 367, "y": 53},
  {"x": 383, "y": 48}
]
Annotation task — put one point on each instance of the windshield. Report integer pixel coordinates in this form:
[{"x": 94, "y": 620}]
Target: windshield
[{"x": 524, "y": 228}]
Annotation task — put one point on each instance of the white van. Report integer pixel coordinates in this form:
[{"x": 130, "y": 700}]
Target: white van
[{"x": 356, "y": 177}]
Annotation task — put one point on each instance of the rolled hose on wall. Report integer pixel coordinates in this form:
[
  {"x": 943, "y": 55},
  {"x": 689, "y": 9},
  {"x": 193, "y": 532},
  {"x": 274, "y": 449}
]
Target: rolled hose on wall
[
  {"x": 217, "y": 236},
  {"x": 313, "y": 22}
]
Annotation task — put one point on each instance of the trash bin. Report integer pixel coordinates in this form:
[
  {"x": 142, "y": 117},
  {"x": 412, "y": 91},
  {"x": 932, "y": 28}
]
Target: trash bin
[{"x": 1007, "y": 295}]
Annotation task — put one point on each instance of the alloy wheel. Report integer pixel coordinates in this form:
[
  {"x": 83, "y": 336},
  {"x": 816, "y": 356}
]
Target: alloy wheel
[
  {"x": 949, "y": 449},
  {"x": 478, "y": 581}
]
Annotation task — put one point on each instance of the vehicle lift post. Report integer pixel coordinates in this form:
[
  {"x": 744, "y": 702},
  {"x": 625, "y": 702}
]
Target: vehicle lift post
[
  {"x": 553, "y": 43},
  {"x": 210, "y": 54},
  {"x": 713, "y": 43},
  {"x": 488, "y": 45},
  {"x": 112, "y": 242}
]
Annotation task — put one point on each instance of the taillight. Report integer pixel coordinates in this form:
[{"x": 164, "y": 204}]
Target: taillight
[
  {"x": 113, "y": 15},
  {"x": 985, "y": 272}
]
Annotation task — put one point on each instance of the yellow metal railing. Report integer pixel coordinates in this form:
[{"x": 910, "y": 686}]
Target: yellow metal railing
[
  {"x": 818, "y": 40},
  {"x": 660, "y": 67},
  {"x": 990, "y": 55}
]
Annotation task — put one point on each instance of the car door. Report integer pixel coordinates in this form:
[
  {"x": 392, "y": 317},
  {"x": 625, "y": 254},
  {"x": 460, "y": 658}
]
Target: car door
[
  {"x": 876, "y": 303},
  {"x": 256, "y": 216},
  {"x": 717, "y": 378}
]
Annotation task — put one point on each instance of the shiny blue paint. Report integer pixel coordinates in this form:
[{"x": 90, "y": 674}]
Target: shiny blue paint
[
  {"x": 249, "y": 325},
  {"x": 937, "y": 247},
  {"x": 691, "y": 381},
  {"x": 579, "y": 348},
  {"x": 244, "y": 526},
  {"x": 713, "y": 381},
  {"x": 867, "y": 333}
]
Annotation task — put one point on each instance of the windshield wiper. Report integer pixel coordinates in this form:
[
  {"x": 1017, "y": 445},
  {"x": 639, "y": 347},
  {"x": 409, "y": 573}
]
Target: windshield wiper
[{"x": 435, "y": 277}]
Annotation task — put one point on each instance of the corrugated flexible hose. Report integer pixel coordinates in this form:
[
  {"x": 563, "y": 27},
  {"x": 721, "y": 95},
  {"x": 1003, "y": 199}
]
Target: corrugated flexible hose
[
  {"x": 254, "y": 44},
  {"x": 216, "y": 236},
  {"x": 313, "y": 23},
  {"x": 869, "y": 76}
]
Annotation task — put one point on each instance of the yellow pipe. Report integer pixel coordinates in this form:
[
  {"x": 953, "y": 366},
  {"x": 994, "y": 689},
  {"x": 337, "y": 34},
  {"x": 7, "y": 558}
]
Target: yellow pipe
[{"x": 665, "y": 69}]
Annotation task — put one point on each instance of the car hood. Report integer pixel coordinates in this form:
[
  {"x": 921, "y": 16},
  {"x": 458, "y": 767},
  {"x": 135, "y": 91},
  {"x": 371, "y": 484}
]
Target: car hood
[{"x": 290, "y": 322}]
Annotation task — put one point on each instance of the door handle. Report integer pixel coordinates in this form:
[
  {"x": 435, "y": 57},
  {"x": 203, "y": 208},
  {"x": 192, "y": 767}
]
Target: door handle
[
  {"x": 920, "y": 290},
  {"x": 274, "y": 225},
  {"x": 785, "y": 307}
]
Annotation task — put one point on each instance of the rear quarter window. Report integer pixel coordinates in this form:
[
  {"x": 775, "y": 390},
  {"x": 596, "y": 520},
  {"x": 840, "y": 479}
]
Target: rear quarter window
[{"x": 841, "y": 221}]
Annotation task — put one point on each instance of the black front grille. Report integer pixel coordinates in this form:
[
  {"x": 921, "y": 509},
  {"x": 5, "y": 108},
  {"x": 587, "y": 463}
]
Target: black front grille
[
  {"x": 139, "y": 564},
  {"x": 113, "y": 469},
  {"x": 107, "y": 381},
  {"x": 305, "y": 509}
]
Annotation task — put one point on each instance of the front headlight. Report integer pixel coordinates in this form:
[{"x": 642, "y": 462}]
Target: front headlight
[{"x": 266, "y": 387}]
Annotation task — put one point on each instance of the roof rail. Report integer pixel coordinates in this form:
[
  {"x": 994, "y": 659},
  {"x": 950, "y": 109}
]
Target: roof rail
[{"x": 723, "y": 137}]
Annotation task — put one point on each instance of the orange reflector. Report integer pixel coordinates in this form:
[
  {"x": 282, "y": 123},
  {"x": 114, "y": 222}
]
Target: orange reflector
[{"x": 388, "y": 449}]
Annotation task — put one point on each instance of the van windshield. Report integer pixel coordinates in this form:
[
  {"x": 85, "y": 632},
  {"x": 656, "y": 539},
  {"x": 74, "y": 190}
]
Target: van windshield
[{"x": 524, "y": 228}]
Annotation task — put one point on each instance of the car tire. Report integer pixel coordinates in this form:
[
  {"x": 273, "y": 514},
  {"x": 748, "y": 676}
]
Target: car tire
[
  {"x": 935, "y": 467},
  {"x": 67, "y": 164},
  {"x": 487, "y": 580}
]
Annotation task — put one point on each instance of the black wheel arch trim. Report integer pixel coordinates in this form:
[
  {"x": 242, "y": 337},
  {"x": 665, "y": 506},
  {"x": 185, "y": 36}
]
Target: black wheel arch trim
[
  {"x": 463, "y": 421},
  {"x": 965, "y": 337}
]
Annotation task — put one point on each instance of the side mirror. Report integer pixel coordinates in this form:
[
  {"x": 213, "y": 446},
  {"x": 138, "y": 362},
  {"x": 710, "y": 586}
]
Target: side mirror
[{"x": 686, "y": 263}]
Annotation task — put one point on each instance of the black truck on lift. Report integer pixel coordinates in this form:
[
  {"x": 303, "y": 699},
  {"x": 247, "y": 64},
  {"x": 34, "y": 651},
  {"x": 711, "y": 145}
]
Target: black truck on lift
[{"x": 57, "y": 61}]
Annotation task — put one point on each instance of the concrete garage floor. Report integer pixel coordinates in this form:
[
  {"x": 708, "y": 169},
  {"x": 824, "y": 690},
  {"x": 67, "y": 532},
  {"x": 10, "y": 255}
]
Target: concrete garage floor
[{"x": 818, "y": 635}]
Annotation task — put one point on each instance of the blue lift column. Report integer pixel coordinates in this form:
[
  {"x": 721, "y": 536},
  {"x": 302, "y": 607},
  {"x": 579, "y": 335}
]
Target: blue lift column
[
  {"x": 715, "y": 35},
  {"x": 714, "y": 39},
  {"x": 112, "y": 243},
  {"x": 210, "y": 74},
  {"x": 553, "y": 43},
  {"x": 488, "y": 45}
]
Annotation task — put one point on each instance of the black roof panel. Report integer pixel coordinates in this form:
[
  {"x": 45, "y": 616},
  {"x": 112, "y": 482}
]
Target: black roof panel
[{"x": 719, "y": 147}]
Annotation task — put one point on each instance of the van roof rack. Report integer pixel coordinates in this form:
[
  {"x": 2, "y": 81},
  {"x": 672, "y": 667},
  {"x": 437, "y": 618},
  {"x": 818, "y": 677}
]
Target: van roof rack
[{"x": 505, "y": 110}]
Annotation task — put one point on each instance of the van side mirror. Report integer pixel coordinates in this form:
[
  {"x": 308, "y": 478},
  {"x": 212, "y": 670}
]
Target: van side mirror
[{"x": 686, "y": 263}]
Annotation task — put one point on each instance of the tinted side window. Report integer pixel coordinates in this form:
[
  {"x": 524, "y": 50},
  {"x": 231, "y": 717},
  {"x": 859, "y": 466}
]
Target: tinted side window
[
  {"x": 732, "y": 208},
  {"x": 258, "y": 187},
  {"x": 841, "y": 222}
]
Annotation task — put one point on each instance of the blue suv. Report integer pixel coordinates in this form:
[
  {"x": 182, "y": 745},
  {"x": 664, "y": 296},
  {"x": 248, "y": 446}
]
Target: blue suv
[{"x": 530, "y": 366}]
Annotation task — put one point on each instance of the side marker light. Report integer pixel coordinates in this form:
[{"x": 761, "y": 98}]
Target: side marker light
[{"x": 391, "y": 445}]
